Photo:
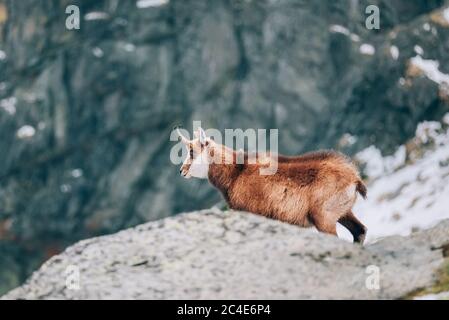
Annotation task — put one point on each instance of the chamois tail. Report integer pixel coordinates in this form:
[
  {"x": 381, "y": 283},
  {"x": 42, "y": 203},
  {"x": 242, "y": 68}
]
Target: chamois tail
[{"x": 361, "y": 188}]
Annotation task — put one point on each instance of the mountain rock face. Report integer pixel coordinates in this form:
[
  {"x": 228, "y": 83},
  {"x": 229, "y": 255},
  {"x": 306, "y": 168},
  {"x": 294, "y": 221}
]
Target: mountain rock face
[
  {"x": 85, "y": 115},
  {"x": 234, "y": 255}
]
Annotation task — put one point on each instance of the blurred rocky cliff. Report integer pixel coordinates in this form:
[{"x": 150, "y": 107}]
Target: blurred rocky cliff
[{"x": 85, "y": 115}]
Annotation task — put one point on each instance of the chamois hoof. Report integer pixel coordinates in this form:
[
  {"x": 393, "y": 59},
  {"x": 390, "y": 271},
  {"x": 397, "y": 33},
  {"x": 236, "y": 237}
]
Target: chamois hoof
[{"x": 361, "y": 238}]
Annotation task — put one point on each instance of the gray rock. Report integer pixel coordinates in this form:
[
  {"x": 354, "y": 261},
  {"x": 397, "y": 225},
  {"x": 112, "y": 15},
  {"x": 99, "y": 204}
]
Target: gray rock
[{"x": 233, "y": 255}]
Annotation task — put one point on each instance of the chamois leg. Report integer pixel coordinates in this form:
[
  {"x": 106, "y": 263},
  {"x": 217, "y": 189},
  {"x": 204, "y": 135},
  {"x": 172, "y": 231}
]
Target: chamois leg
[
  {"x": 357, "y": 229},
  {"x": 324, "y": 224}
]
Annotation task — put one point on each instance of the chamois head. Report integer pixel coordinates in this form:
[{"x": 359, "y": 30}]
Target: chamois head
[{"x": 199, "y": 156}]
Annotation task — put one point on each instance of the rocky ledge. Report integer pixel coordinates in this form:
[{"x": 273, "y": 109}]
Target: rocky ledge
[{"x": 232, "y": 255}]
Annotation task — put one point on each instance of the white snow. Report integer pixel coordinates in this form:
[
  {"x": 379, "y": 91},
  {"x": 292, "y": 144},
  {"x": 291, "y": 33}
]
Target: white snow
[
  {"x": 430, "y": 69},
  {"x": 339, "y": 29},
  {"x": 96, "y": 15},
  {"x": 426, "y": 26},
  {"x": 446, "y": 14},
  {"x": 9, "y": 105},
  {"x": 26, "y": 132},
  {"x": 377, "y": 165},
  {"x": 97, "y": 52},
  {"x": 76, "y": 173},
  {"x": 446, "y": 119},
  {"x": 406, "y": 197},
  {"x": 394, "y": 51},
  {"x": 2, "y": 55},
  {"x": 343, "y": 30},
  {"x": 354, "y": 37},
  {"x": 372, "y": 158},
  {"x": 347, "y": 140},
  {"x": 141, "y": 4},
  {"x": 367, "y": 49},
  {"x": 419, "y": 50},
  {"x": 428, "y": 131}
]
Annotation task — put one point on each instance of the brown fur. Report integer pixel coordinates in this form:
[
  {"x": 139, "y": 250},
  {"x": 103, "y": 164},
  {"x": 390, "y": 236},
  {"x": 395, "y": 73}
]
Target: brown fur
[{"x": 317, "y": 188}]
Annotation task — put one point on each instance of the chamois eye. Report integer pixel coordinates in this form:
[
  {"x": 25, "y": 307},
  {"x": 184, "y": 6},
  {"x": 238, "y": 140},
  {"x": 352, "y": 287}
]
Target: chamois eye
[{"x": 191, "y": 153}]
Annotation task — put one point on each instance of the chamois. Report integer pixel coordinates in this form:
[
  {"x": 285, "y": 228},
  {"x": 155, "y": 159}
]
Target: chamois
[{"x": 315, "y": 189}]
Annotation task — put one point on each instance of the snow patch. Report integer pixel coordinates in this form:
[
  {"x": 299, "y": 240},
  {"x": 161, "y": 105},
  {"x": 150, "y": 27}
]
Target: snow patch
[
  {"x": 446, "y": 14},
  {"x": 430, "y": 69},
  {"x": 2, "y": 55},
  {"x": 419, "y": 50},
  {"x": 347, "y": 140},
  {"x": 404, "y": 197},
  {"x": 97, "y": 52},
  {"x": 446, "y": 119},
  {"x": 340, "y": 29},
  {"x": 376, "y": 165},
  {"x": 428, "y": 131},
  {"x": 372, "y": 158},
  {"x": 26, "y": 132},
  {"x": 9, "y": 105},
  {"x": 142, "y": 4},
  {"x": 367, "y": 49},
  {"x": 394, "y": 51},
  {"x": 76, "y": 173},
  {"x": 96, "y": 15}
]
